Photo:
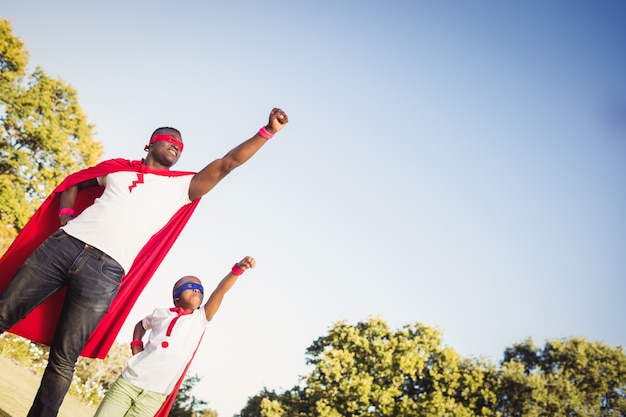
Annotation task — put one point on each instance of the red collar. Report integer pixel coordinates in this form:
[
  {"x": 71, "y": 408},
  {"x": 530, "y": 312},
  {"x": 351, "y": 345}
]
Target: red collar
[{"x": 180, "y": 311}]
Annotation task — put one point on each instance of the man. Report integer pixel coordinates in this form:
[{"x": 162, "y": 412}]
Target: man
[{"x": 119, "y": 220}]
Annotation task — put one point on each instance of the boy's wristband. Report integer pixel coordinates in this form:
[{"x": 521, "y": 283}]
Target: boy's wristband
[
  {"x": 66, "y": 210},
  {"x": 264, "y": 133},
  {"x": 136, "y": 343},
  {"x": 236, "y": 270}
]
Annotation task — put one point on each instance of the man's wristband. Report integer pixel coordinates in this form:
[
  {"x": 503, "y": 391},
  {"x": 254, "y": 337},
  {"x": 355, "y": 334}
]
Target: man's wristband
[
  {"x": 236, "y": 270},
  {"x": 66, "y": 210},
  {"x": 264, "y": 133},
  {"x": 136, "y": 343}
]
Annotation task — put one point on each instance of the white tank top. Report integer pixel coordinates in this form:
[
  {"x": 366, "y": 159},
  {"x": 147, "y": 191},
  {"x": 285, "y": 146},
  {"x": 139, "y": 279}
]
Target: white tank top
[{"x": 132, "y": 208}]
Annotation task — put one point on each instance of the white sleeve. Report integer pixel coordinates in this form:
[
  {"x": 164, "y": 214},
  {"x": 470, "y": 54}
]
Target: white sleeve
[{"x": 147, "y": 322}]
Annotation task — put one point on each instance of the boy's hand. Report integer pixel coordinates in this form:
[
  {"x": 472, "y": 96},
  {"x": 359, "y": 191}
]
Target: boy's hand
[
  {"x": 246, "y": 263},
  {"x": 278, "y": 119}
]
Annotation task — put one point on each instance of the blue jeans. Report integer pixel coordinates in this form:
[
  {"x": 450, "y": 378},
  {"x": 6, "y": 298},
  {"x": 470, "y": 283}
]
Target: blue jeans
[{"x": 92, "y": 279}]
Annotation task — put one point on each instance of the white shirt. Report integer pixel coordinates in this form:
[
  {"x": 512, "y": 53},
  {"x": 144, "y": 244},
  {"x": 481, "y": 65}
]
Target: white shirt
[
  {"x": 158, "y": 368},
  {"x": 132, "y": 208}
]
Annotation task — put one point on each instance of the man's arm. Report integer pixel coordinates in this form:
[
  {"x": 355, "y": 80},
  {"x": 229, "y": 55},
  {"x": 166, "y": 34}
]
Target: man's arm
[
  {"x": 68, "y": 198},
  {"x": 213, "y": 173},
  {"x": 215, "y": 300}
]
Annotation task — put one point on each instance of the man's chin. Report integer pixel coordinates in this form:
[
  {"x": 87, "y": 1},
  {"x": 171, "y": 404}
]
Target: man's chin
[{"x": 169, "y": 162}]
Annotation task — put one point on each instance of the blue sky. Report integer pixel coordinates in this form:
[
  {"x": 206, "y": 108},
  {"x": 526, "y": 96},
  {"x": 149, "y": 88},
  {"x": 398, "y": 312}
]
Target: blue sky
[{"x": 459, "y": 164}]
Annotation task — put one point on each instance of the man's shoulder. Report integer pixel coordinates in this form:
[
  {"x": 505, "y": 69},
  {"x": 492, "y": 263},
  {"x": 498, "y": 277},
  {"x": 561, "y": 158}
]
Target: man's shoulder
[{"x": 115, "y": 165}]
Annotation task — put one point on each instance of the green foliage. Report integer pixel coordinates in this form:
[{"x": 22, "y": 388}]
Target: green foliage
[
  {"x": 28, "y": 354},
  {"x": 209, "y": 412},
  {"x": 571, "y": 377},
  {"x": 371, "y": 371},
  {"x": 269, "y": 404},
  {"x": 93, "y": 377},
  {"x": 13, "y": 57},
  {"x": 45, "y": 135}
]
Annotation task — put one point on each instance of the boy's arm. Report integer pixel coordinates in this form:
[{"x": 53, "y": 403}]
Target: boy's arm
[
  {"x": 215, "y": 300},
  {"x": 138, "y": 334},
  {"x": 213, "y": 173}
]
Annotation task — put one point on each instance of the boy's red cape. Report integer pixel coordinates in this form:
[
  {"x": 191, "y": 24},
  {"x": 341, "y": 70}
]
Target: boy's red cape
[{"x": 40, "y": 324}]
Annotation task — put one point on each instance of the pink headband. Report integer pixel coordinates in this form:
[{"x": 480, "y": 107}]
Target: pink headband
[{"x": 167, "y": 138}]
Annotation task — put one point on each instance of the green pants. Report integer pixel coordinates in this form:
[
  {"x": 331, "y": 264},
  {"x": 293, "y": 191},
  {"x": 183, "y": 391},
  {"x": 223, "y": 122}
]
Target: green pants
[{"x": 124, "y": 399}]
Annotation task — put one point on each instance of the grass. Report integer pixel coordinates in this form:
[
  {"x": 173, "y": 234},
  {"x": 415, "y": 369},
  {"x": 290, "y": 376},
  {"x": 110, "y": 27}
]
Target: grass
[{"x": 18, "y": 387}]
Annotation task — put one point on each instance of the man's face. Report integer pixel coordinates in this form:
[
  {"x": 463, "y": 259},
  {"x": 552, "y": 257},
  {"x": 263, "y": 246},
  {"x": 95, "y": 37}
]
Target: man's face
[{"x": 166, "y": 149}]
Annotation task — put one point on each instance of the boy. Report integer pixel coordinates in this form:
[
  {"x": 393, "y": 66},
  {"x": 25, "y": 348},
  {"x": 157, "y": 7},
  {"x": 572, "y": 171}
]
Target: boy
[{"x": 149, "y": 383}]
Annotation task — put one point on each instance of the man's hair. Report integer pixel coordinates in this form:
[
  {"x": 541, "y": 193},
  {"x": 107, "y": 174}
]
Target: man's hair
[{"x": 167, "y": 129}]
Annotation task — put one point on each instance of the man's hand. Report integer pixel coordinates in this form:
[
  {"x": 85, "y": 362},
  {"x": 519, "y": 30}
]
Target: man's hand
[
  {"x": 64, "y": 218},
  {"x": 278, "y": 119}
]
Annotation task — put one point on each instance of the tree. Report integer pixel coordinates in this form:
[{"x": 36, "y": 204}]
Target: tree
[
  {"x": 368, "y": 370},
  {"x": 267, "y": 403},
  {"x": 572, "y": 377},
  {"x": 45, "y": 135},
  {"x": 186, "y": 404}
]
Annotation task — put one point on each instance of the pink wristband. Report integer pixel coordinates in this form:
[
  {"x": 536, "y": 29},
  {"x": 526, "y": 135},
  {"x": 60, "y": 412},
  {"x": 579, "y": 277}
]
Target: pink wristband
[
  {"x": 136, "y": 343},
  {"x": 264, "y": 133},
  {"x": 236, "y": 270},
  {"x": 66, "y": 210}
]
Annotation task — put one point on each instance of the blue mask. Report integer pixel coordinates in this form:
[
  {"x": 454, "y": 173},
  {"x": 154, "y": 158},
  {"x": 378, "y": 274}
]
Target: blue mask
[{"x": 188, "y": 286}]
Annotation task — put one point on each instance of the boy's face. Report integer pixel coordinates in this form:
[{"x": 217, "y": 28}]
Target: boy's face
[{"x": 188, "y": 293}]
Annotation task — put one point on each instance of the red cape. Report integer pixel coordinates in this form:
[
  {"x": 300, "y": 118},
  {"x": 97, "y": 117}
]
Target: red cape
[{"x": 40, "y": 324}]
